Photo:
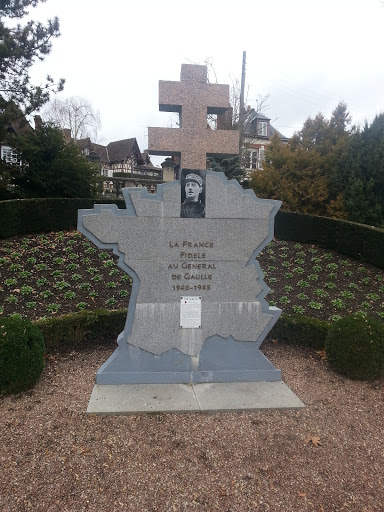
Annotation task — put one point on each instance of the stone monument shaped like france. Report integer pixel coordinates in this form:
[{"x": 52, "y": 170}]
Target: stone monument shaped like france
[{"x": 197, "y": 311}]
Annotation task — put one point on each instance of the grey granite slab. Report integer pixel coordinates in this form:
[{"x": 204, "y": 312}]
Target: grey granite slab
[
  {"x": 134, "y": 398},
  {"x": 240, "y": 396},
  {"x": 157, "y": 325},
  {"x": 154, "y": 238},
  {"x": 171, "y": 398},
  {"x": 215, "y": 281},
  {"x": 170, "y": 257},
  {"x": 220, "y": 360}
]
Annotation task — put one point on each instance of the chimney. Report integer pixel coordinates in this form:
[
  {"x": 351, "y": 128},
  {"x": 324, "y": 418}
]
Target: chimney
[
  {"x": 67, "y": 134},
  {"x": 38, "y": 122}
]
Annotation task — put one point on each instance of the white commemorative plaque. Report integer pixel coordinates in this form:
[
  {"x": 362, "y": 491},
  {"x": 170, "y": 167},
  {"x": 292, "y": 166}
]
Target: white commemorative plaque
[{"x": 190, "y": 312}]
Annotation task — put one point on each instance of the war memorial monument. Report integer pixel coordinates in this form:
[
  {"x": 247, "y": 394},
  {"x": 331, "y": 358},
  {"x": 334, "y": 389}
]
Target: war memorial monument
[{"x": 197, "y": 313}]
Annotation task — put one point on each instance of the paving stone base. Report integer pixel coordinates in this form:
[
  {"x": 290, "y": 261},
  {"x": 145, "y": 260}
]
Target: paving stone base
[{"x": 172, "y": 398}]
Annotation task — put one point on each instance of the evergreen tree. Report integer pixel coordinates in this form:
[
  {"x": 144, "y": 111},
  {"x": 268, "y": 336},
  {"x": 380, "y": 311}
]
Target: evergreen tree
[
  {"x": 294, "y": 177},
  {"x": 230, "y": 167},
  {"x": 299, "y": 173},
  {"x": 20, "y": 46},
  {"x": 360, "y": 174},
  {"x": 51, "y": 166}
]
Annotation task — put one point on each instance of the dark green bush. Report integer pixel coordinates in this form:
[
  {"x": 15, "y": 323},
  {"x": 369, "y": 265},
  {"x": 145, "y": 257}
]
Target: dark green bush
[
  {"x": 29, "y": 216},
  {"x": 362, "y": 242},
  {"x": 301, "y": 330},
  {"x": 366, "y": 243},
  {"x": 77, "y": 330},
  {"x": 85, "y": 328},
  {"x": 21, "y": 355},
  {"x": 355, "y": 347}
]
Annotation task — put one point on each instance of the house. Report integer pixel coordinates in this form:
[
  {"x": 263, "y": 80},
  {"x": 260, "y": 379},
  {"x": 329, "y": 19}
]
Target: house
[
  {"x": 257, "y": 134},
  {"x": 123, "y": 165},
  {"x": 17, "y": 126}
]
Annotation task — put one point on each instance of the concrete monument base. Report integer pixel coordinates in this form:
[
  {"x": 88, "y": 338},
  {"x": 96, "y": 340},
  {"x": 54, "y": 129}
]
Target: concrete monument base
[
  {"x": 127, "y": 399},
  {"x": 220, "y": 360}
]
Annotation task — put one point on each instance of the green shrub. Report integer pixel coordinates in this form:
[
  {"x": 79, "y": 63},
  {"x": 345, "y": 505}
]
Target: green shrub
[
  {"x": 25, "y": 216},
  {"x": 355, "y": 347},
  {"x": 76, "y": 330},
  {"x": 21, "y": 355},
  {"x": 362, "y": 242},
  {"x": 301, "y": 330}
]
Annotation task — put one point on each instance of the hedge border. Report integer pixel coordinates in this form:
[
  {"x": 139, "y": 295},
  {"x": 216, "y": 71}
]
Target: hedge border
[
  {"x": 362, "y": 242},
  {"x": 82, "y": 329},
  {"x": 30, "y": 216},
  {"x": 88, "y": 328}
]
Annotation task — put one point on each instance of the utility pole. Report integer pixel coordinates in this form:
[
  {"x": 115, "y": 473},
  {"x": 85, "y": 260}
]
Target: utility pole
[{"x": 241, "y": 106}]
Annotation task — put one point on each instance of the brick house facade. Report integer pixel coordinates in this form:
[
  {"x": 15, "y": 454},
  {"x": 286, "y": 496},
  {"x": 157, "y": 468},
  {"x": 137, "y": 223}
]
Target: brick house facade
[{"x": 257, "y": 134}]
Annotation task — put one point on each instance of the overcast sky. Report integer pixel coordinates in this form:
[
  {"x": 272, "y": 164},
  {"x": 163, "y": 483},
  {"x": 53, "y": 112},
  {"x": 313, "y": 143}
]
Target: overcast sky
[{"x": 307, "y": 55}]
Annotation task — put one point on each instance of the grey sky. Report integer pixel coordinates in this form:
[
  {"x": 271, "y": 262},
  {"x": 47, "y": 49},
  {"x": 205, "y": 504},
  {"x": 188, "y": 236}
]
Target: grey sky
[{"x": 306, "y": 54}]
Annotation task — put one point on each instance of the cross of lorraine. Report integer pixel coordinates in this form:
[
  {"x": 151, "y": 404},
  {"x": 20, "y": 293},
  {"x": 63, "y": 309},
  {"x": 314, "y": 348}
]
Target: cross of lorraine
[{"x": 194, "y": 141}]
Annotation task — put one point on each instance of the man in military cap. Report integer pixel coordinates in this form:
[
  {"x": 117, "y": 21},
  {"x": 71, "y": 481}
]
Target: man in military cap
[{"x": 192, "y": 206}]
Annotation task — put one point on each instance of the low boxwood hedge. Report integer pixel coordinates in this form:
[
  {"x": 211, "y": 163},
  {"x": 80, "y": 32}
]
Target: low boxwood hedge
[
  {"x": 21, "y": 355},
  {"x": 301, "y": 330},
  {"x": 29, "y": 216},
  {"x": 355, "y": 347},
  {"x": 366, "y": 243},
  {"x": 81, "y": 329},
  {"x": 362, "y": 242}
]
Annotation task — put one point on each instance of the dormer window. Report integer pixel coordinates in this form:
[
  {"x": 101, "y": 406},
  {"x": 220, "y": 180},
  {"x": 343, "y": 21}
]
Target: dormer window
[{"x": 262, "y": 128}]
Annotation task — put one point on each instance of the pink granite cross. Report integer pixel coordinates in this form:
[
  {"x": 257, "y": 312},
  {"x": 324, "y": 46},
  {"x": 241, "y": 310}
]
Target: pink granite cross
[{"x": 193, "y": 98}]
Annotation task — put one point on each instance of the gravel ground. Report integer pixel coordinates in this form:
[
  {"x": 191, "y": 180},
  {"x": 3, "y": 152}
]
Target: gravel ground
[{"x": 327, "y": 457}]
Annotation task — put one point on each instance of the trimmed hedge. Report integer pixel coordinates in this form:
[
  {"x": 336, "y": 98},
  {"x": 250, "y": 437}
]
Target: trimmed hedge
[
  {"x": 21, "y": 355},
  {"x": 355, "y": 347},
  {"x": 362, "y": 242},
  {"x": 78, "y": 330},
  {"x": 301, "y": 330},
  {"x": 81, "y": 329},
  {"x": 29, "y": 216},
  {"x": 365, "y": 243}
]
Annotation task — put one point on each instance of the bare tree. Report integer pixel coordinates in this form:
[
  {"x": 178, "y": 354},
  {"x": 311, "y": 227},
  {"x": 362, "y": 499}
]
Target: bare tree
[
  {"x": 74, "y": 113},
  {"x": 232, "y": 122}
]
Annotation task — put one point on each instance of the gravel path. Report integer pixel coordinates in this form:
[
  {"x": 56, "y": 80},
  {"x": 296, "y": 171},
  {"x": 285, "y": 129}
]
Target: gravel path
[{"x": 327, "y": 457}]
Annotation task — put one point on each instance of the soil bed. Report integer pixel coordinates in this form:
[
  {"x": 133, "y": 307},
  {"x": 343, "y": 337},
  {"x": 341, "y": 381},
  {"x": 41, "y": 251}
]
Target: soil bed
[{"x": 58, "y": 273}]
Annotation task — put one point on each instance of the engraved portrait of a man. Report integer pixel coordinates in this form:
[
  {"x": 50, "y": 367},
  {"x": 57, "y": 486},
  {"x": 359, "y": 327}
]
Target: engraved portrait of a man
[{"x": 192, "y": 194}]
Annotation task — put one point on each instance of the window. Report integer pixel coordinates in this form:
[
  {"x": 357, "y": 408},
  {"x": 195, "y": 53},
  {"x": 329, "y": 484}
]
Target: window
[
  {"x": 252, "y": 159},
  {"x": 255, "y": 158},
  {"x": 262, "y": 128},
  {"x": 10, "y": 155}
]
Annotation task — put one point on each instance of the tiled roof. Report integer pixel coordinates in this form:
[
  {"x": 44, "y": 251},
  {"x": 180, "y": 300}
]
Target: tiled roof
[
  {"x": 101, "y": 151},
  {"x": 273, "y": 131},
  {"x": 121, "y": 149},
  {"x": 250, "y": 121}
]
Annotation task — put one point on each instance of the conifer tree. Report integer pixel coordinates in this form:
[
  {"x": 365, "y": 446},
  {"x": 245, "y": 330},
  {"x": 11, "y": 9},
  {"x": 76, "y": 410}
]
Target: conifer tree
[
  {"x": 299, "y": 173},
  {"x": 20, "y": 46},
  {"x": 52, "y": 166},
  {"x": 360, "y": 174}
]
